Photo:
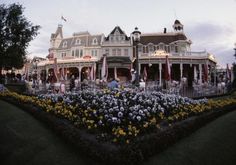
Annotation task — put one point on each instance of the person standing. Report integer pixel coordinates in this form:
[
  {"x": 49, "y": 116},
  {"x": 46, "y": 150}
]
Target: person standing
[
  {"x": 72, "y": 83},
  {"x": 133, "y": 76}
]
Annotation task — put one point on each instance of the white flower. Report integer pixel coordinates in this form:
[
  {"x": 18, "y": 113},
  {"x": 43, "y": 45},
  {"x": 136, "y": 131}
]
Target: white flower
[
  {"x": 114, "y": 119},
  {"x": 138, "y": 118},
  {"x": 120, "y": 114}
]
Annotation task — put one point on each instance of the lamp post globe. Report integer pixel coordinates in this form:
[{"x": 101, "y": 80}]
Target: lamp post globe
[{"x": 136, "y": 38}]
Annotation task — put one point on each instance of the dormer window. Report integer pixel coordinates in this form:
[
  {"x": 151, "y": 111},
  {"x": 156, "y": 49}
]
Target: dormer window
[
  {"x": 117, "y": 32},
  {"x": 95, "y": 41},
  {"x": 161, "y": 46},
  {"x": 111, "y": 38},
  {"x": 151, "y": 47},
  {"x": 64, "y": 44},
  {"x": 78, "y": 42}
]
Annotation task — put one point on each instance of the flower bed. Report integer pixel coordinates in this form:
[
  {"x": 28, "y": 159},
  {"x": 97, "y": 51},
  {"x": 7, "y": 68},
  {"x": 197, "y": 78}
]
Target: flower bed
[{"x": 119, "y": 126}]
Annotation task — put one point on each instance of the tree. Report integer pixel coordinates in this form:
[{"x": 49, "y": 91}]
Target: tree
[{"x": 15, "y": 34}]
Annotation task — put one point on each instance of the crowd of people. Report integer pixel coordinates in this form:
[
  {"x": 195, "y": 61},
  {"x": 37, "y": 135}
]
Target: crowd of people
[{"x": 35, "y": 85}]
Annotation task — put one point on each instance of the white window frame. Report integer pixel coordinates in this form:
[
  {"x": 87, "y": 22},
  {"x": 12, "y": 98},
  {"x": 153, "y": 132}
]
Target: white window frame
[
  {"x": 95, "y": 41},
  {"x": 64, "y": 44},
  {"x": 78, "y": 41},
  {"x": 126, "y": 52}
]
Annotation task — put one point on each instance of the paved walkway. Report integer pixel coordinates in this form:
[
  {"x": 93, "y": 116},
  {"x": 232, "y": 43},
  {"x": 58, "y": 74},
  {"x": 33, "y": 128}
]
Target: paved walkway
[
  {"x": 214, "y": 144},
  {"x": 24, "y": 140}
]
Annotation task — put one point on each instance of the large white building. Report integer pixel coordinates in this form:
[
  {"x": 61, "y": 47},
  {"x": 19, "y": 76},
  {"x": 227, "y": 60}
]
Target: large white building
[{"x": 76, "y": 55}]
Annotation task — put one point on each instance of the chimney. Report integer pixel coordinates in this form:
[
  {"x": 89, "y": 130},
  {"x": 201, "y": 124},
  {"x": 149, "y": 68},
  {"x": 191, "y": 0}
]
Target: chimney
[{"x": 164, "y": 30}]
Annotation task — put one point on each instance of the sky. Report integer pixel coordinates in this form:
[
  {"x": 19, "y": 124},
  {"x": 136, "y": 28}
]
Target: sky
[{"x": 209, "y": 24}]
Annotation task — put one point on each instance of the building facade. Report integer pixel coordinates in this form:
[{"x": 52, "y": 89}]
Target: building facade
[
  {"x": 154, "y": 47},
  {"x": 79, "y": 54}
]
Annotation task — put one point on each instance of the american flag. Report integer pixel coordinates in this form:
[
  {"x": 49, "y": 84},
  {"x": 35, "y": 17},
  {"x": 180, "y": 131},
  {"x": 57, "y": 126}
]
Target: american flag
[{"x": 63, "y": 18}]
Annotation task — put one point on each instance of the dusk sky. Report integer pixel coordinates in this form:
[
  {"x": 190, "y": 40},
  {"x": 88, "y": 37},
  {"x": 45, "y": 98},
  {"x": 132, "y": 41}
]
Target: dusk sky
[{"x": 209, "y": 24}]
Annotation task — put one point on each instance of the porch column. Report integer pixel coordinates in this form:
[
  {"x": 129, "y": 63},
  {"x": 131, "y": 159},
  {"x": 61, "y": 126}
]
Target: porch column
[
  {"x": 65, "y": 70},
  {"x": 195, "y": 72},
  {"x": 139, "y": 69},
  {"x": 46, "y": 72},
  {"x": 181, "y": 71},
  {"x": 160, "y": 67},
  {"x": 115, "y": 73},
  {"x": 200, "y": 73},
  {"x": 79, "y": 68},
  {"x": 95, "y": 71}
]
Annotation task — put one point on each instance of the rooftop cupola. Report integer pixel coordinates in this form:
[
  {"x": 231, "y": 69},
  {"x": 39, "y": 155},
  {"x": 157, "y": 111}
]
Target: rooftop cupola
[{"x": 178, "y": 27}]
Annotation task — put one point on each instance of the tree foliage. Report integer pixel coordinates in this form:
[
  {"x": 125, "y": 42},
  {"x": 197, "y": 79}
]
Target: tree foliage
[{"x": 15, "y": 34}]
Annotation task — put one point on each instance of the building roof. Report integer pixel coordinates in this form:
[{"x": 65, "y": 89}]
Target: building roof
[
  {"x": 58, "y": 32},
  {"x": 120, "y": 31},
  {"x": 85, "y": 40},
  {"x": 177, "y": 22},
  {"x": 165, "y": 38}
]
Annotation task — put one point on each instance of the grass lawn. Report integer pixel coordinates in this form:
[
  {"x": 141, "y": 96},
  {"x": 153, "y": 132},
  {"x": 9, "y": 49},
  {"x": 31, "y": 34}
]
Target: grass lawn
[
  {"x": 213, "y": 144},
  {"x": 24, "y": 140}
]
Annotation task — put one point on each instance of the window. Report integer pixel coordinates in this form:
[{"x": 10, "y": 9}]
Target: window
[
  {"x": 119, "y": 52},
  {"x": 73, "y": 53},
  {"x": 154, "y": 48},
  {"x": 107, "y": 51},
  {"x": 151, "y": 49},
  {"x": 140, "y": 48},
  {"x": 176, "y": 49},
  {"x": 77, "y": 52},
  {"x": 81, "y": 53},
  {"x": 64, "y": 44},
  {"x": 161, "y": 46},
  {"x": 117, "y": 38},
  {"x": 94, "y": 52},
  {"x": 111, "y": 38},
  {"x": 166, "y": 48},
  {"x": 147, "y": 49},
  {"x": 77, "y": 42},
  {"x": 114, "y": 52},
  {"x": 63, "y": 55},
  {"x": 172, "y": 48},
  {"x": 95, "y": 41},
  {"x": 126, "y": 52}
]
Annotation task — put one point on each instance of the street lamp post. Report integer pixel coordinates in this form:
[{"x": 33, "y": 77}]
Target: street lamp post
[{"x": 136, "y": 39}]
